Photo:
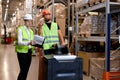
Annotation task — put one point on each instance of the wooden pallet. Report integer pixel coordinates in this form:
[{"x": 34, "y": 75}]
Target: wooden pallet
[
  {"x": 91, "y": 2},
  {"x": 94, "y": 2},
  {"x": 84, "y": 6},
  {"x": 90, "y": 34},
  {"x": 110, "y": 1},
  {"x": 94, "y": 78},
  {"x": 111, "y": 76},
  {"x": 84, "y": 35},
  {"x": 97, "y": 1}
]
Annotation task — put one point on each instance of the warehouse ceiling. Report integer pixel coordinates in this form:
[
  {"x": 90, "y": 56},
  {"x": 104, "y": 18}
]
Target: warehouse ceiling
[{"x": 10, "y": 6}]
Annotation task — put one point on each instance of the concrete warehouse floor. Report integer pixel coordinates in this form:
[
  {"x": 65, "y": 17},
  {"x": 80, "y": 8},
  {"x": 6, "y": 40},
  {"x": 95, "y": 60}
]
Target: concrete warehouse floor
[{"x": 9, "y": 67}]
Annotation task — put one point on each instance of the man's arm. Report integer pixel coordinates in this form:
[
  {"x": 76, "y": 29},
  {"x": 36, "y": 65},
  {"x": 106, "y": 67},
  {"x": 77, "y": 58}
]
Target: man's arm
[
  {"x": 61, "y": 37},
  {"x": 20, "y": 41},
  {"x": 39, "y": 31}
]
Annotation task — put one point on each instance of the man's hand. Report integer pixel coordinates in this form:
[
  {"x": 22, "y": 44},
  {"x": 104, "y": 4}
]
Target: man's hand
[
  {"x": 41, "y": 21},
  {"x": 40, "y": 24},
  {"x": 32, "y": 42}
]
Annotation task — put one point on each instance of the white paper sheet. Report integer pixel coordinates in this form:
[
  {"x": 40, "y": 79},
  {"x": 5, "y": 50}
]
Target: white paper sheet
[
  {"x": 39, "y": 39},
  {"x": 64, "y": 57}
]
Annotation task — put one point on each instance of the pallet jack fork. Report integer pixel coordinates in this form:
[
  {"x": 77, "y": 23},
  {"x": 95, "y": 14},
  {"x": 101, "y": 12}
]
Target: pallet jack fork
[{"x": 111, "y": 76}]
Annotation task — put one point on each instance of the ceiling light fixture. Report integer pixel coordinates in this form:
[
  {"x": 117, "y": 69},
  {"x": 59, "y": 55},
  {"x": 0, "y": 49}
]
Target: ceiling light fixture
[
  {"x": 17, "y": 9},
  {"x": 6, "y": 9},
  {"x": 20, "y": 4},
  {"x": 7, "y": 1},
  {"x": 5, "y": 15},
  {"x": 7, "y": 5},
  {"x": 13, "y": 14}
]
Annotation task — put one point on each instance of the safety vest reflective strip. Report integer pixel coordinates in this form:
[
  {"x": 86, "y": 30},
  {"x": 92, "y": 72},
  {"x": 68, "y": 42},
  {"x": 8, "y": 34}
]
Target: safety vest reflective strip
[
  {"x": 24, "y": 49},
  {"x": 51, "y": 35}
]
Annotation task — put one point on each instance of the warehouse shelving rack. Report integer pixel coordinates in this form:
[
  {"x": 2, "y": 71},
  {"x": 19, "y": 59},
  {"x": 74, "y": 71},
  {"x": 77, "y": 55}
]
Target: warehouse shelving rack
[
  {"x": 51, "y": 2},
  {"x": 109, "y": 8}
]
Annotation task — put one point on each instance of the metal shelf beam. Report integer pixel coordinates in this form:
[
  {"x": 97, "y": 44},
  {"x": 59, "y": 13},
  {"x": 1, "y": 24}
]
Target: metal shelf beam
[
  {"x": 56, "y": 1},
  {"x": 96, "y": 38},
  {"x": 101, "y": 8}
]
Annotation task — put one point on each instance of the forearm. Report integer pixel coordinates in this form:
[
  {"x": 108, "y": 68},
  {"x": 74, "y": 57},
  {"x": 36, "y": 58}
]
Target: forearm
[
  {"x": 39, "y": 31},
  {"x": 20, "y": 41},
  {"x": 61, "y": 37},
  {"x": 23, "y": 43}
]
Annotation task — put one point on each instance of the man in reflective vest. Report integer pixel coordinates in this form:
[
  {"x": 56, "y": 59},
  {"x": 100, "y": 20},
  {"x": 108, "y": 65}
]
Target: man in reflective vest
[
  {"x": 24, "y": 48},
  {"x": 52, "y": 33}
]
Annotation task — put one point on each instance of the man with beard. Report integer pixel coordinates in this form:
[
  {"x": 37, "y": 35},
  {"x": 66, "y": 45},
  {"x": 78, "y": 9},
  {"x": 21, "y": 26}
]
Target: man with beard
[{"x": 52, "y": 33}]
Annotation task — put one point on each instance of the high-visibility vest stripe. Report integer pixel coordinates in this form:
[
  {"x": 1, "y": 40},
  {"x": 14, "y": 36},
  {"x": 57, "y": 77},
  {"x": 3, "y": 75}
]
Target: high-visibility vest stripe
[
  {"x": 51, "y": 42},
  {"x": 51, "y": 36}
]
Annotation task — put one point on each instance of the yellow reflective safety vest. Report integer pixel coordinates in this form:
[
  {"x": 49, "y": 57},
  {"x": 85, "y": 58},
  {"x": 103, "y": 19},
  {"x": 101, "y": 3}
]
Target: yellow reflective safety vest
[
  {"x": 51, "y": 35},
  {"x": 25, "y": 38}
]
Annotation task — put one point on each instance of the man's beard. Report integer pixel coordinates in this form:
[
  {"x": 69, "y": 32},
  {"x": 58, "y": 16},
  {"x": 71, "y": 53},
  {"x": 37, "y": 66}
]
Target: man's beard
[{"x": 47, "y": 20}]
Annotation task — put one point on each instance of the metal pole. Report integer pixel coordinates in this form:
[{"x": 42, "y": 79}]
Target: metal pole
[
  {"x": 76, "y": 44},
  {"x": 53, "y": 10},
  {"x": 68, "y": 20},
  {"x": 119, "y": 22},
  {"x": 73, "y": 16},
  {"x": 108, "y": 16},
  {"x": 72, "y": 13}
]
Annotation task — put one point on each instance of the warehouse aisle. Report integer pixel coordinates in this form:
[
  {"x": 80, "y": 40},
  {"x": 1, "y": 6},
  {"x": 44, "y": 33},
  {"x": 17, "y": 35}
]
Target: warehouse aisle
[{"x": 9, "y": 67}]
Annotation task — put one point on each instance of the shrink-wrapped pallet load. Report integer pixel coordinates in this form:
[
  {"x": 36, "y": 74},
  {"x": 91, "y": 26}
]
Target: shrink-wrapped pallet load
[
  {"x": 92, "y": 25},
  {"x": 82, "y": 2},
  {"x": 96, "y": 25}
]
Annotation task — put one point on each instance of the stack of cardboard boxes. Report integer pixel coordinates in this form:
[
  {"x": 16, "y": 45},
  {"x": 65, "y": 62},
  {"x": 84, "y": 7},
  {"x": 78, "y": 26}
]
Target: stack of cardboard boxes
[
  {"x": 86, "y": 59},
  {"x": 96, "y": 25},
  {"x": 97, "y": 66},
  {"x": 94, "y": 63}
]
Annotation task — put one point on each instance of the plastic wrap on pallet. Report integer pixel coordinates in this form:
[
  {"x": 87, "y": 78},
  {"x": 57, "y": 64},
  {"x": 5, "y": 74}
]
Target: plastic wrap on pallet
[
  {"x": 96, "y": 24},
  {"x": 97, "y": 66},
  {"x": 93, "y": 24},
  {"x": 82, "y": 2}
]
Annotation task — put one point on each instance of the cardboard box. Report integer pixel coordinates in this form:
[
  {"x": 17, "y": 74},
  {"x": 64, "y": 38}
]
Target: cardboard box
[
  {"x": 86, "y": 59},
  {"x": 97, "y": 66},
  {"x": 115, "y": 54},
  {"x": 61, "y": 23}
]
